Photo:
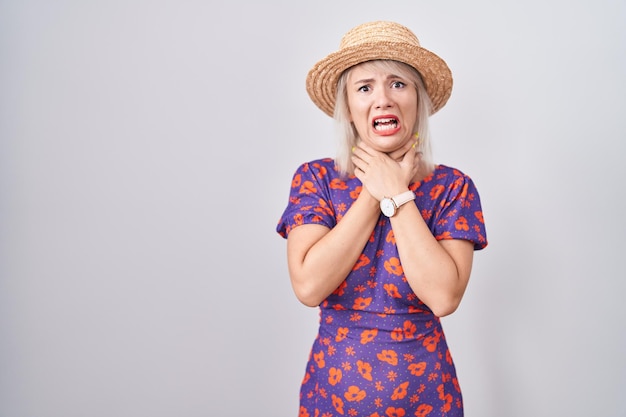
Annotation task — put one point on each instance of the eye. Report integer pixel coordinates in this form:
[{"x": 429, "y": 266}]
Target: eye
[
  {"x": 364, "y": 88},
  {"x": 398, "y": 84}
]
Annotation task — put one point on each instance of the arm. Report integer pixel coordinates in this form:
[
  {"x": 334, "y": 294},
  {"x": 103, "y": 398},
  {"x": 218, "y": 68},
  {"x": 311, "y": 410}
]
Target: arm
[
  {"x": 319, "y": 258},
  {"x": 438, "y": 272}
]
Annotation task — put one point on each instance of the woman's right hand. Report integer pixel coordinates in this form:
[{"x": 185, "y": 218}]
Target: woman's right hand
[{"x": 385, "y": 175}]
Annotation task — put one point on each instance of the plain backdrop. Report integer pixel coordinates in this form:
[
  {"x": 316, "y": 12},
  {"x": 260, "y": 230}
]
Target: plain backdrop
[{"x": 146, "y": 154}]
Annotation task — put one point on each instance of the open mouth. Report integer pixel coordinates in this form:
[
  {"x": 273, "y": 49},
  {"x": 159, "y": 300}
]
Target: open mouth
[{"x": 385, "y": 123}]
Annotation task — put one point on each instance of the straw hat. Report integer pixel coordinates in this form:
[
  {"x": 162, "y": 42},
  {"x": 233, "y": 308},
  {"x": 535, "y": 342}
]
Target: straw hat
[{"x": 378, "y": 40}]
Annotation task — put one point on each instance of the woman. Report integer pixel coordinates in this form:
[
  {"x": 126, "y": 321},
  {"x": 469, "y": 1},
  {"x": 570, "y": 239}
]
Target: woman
[{"x": 380, "y": 238}]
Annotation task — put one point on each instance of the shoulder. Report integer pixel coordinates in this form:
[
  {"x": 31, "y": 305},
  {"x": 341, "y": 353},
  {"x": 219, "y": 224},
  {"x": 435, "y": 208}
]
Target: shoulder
[
  {"x": 319, "y": 168},
  {"x": 445, "y": 171},
  {"x": 322, "y": 163},
  {"x": 445, "y": 175}
]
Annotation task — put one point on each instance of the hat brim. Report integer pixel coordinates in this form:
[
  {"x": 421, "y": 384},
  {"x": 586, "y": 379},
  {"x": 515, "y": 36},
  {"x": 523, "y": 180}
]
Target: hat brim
[{"x": 321, "y": 82}]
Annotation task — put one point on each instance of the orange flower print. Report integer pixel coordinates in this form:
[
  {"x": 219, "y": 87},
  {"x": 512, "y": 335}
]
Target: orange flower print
[
  {"x": 445, "y": 235},
  {"x": 389, "y": 356},
  {"x": 337, "y": 184},
  {"x": 306, "y": 378},
  {"x": 417, "y": 369},
  {"x": 368, "y": 335},
  {"x": 447, "y": 398},
  {"x": 363, "y": 260},
  {"x": 332, "y": 350},
  {"x": 361, "y": 303},
  {"x": 436, "y": 191},
  {"x": 390, "y": 237},
  {"x": 374, "y": 415},
  {"x": 397, "y": 334},
  {"x": 430, "y": 342},
  {"x": 338, "y": 404},
  {"x": 355, "y": 193},
  {"x": 354, "y": 393},
  {"x": 342, "y": 333},
  {"x": 461, "y": 224},
  {"x": 401, "y": 391},
  {"x": 355, "y": 317},
  {"x": 334, "y": 376},
  {"x": 319, "y": 359},
  {"x": 393, "y": 266},
  {"x": 464, "y": 191},
  {"x": 423, "y": 410},
  {"x": 457, "y": 387},
  {"x": 409, "y": 329},
  {"x": 359, "y": 288},
  {"x": 321, "y": 170},
  {"x": 297, "y": 180},
  {"x": 340, "y": 289},
  {"x": 365, "y": 369},
  {"x": 395, "y": 412},
  {"x": 303, "y": 412},
  {"x": 479, "y": 216},
  {"x": 308, "y": 188},
  {"x": 448, "y": 357},
  {"x": 324, "y": 208},
  {"x": 387, "y": 310},
  {"x": 392, "y": 290}
]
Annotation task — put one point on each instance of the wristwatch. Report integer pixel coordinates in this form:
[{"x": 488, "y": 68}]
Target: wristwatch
[{"x": 389, "y": 206}]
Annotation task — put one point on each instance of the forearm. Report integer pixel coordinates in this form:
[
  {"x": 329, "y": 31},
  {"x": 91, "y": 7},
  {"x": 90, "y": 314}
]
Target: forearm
[
  {"x": 432, "y": 272},
  {"x": 317, "y": 270}
]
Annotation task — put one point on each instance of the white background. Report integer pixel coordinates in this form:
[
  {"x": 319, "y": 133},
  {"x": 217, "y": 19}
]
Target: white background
[{"x": 146, "y": 153}]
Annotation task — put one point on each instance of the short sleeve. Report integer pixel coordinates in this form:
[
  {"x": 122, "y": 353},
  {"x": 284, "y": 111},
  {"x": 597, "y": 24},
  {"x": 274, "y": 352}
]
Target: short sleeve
[
  {"x": 309, "y": 202},
  {"x": 461, "y": 216}
]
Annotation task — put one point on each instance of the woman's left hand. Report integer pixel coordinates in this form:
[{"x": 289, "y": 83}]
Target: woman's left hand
[{"x": 385, "y": 175}]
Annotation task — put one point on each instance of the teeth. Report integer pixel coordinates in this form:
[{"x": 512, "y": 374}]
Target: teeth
[
  {"x": 385, "y": 124},
  {"x": 385, "y": 127}
]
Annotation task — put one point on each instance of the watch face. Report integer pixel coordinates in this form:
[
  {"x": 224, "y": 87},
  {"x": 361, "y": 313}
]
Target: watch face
[{"x": 387, "y": 207}]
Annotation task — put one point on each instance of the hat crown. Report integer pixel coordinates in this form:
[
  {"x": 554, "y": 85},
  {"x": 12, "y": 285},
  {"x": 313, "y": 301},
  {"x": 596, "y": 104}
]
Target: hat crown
[
  {"x": 378, "y": 40},
  {"x": 380, "y": 31}
]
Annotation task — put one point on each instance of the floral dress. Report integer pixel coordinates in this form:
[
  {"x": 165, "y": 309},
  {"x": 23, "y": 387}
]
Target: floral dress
[{"x": 380, "y": 351}]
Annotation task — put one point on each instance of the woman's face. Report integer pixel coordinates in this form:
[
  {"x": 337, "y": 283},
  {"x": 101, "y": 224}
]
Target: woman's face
[{"x": 382, "y": 106}]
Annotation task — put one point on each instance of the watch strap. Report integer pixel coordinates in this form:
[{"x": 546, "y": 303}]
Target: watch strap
[{"x": 403, "y": 198}]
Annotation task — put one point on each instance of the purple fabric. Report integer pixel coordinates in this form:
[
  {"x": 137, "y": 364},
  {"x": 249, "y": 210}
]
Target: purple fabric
[{"x": 380, "y": 351}]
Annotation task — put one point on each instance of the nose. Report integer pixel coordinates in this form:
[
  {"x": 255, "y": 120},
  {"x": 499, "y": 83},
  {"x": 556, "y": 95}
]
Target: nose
[{"x": 383, "y": 99}]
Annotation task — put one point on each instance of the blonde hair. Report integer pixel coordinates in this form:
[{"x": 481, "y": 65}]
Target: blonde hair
[{"x": 348, "y": 136}]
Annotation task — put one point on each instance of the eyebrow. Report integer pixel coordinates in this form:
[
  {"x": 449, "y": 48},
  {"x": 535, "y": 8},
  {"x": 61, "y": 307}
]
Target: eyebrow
[{"x": 369, "y": 80}]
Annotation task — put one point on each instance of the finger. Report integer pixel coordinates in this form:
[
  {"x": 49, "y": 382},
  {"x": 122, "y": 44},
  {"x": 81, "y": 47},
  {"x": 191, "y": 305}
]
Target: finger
[
  {"x": 409, "y": 157},
  {"x": 359, "y": 163}
]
